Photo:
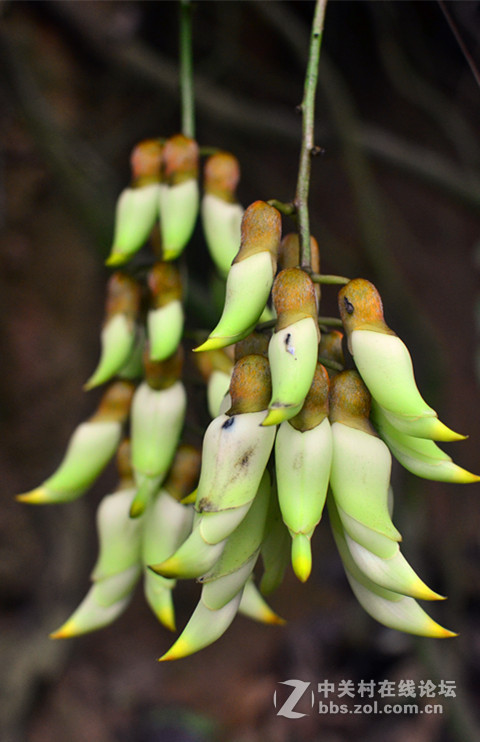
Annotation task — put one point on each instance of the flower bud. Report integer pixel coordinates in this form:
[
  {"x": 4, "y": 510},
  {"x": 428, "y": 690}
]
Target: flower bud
[
  {"x": 293, "y": 348},
  {"x": 250, "y": 278},
  {"x": 178, "y": 196},
  {"x": 137, "y": 206},
  {"x": 119, "y": 330},
  {"x": 221, "y": 214},
  {"x": 165, "y": 317},
  {"x": 385, "y": 365}
]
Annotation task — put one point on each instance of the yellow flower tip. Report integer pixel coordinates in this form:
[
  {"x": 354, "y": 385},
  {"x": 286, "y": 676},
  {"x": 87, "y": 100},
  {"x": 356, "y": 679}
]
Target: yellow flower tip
[
  {"x": 465, "y": 477},
  {"x": 91, "y": 383},
  {"x": 67, "y": 631},
  {"x": 38, "y": 496},
  {"x": 301, "y": 556},
  {"x": 267, "y": 616},
  {"x": 423, "y": 592},
  {"x": 442, "y": 433},
  {"x": 435, "y": 631},
  {"x": 116, "y": 258},
  {"x": 181, "y": 648},
  {"x": 169, "y": 255},
  {"x": 275, "y": 416},
  {"x": 189, "y": 499},
  {"x": 137, "y": 508},
  {"x": 166, "y": 616},
  {"x": 273, "y": 619},
  {"x": 443, "y": 633},
  {"x": 169, "y": 568},
  {"x": 214, "y": 343}
]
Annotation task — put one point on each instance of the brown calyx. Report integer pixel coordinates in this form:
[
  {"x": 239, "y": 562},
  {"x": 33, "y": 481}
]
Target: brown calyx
[
  {"x": 163, "y": 374},
  {"x": 256, "y": 343},
  {"x": 315, "y": 407},
  {"x": 124, "y": 461},
  {"x": 289, "y": 252},
  {"x": 331, "y": 346},
  {"x": 261, "y": 231},
  {"x": 146, "y": 162},
  {"x": 293, "y": 296},
  {"x": 165, "y": 284},
  {"x": 123, "y": 296},
  {"x": 115, "y": 403},
  {"x": 251, "y": 385},
  {"x": 350, "y": 401},
  {"x": 360, "y": 306},
  {"x": 221, "y": 175},
  {"x": 180, "y": 159},
  {"x": 184, "y": 472}
]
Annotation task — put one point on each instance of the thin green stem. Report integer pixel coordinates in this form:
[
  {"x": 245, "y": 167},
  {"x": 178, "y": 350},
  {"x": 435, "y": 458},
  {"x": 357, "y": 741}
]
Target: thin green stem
[
  {"x": 330, "y": 321},
  {"x": 330, "y": 364},
  {"x": 328, "y": 278},
  {"x": 308, "y": 146},
  {"x": 186, "y": 69},
  {"x": 287, "y": 209}
]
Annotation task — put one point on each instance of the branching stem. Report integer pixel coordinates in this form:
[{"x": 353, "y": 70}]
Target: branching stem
[{"x": 308, "y": 145}]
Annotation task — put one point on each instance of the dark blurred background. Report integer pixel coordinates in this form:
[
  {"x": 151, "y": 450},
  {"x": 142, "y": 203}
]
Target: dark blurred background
[{"x": 395, "y": 198}]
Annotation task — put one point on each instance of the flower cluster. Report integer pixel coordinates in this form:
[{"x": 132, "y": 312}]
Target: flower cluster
[{"x": 296, "y": 425}]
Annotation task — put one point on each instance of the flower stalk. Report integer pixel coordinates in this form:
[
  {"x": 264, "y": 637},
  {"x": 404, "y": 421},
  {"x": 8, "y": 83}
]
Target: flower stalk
[
  {"x": 186, "y": 70},
  {"x": 308, "y": 119}
]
